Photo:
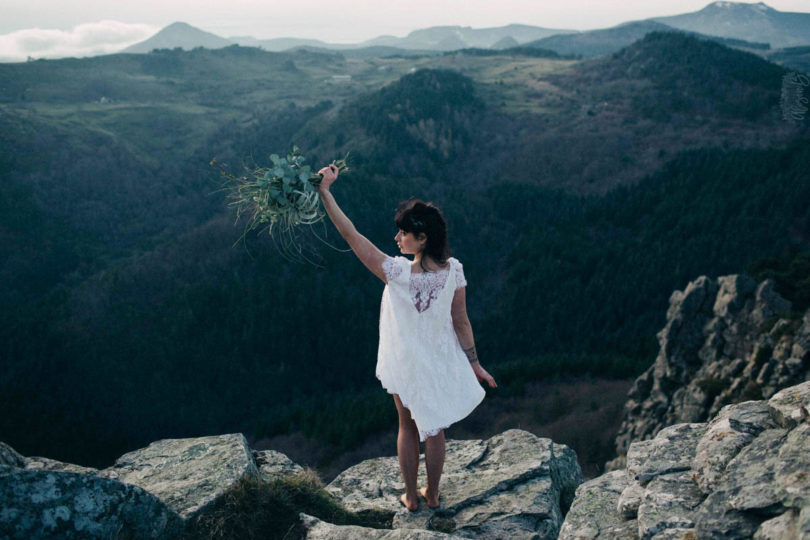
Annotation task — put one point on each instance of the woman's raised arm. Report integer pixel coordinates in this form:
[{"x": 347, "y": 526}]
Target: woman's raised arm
[{"x": 367, "y": 252}]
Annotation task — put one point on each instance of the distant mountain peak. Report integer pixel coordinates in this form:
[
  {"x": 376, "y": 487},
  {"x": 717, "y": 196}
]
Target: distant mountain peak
[
  {"x": 758, "y": 23},
  {"x": 178, "y": 24},
  {"x": 180, "y": 34},
  {"x": 761, "y": 6}
]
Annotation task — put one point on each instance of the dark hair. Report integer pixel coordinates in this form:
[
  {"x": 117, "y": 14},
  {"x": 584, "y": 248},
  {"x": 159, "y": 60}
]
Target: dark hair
[{"x": 416, "y": 216}]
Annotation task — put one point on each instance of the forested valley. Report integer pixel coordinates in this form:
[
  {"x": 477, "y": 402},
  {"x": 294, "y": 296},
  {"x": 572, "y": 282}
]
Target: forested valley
[{"x": 579, "y": 195}]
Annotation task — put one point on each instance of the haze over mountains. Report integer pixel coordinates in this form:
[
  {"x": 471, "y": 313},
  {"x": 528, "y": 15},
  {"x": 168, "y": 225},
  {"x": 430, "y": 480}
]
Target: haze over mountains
[{"x": 756, "y": 23}]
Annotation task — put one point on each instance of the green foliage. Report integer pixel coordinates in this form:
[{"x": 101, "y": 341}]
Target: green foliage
[
  {"x": 423, "y": 119},
  {"x": 341, "y": 420},
  {"x": 595, "y": 274},
  {"x": 514, "y": 374},
  {"x": 255, "y": 508},
  {"x": 698, "y": 76},
  {"x": 533, "y": 52},
  {"x": 284, "y": 196},
  {"x": 790, "y": 272}
]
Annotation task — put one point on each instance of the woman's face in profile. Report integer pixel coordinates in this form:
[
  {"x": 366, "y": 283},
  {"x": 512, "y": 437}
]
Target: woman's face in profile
[{"x": 406, "y": 242}]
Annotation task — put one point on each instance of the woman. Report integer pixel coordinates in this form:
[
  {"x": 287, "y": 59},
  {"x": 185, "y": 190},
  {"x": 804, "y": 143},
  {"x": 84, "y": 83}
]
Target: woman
[{"x": 426, "y": 357}]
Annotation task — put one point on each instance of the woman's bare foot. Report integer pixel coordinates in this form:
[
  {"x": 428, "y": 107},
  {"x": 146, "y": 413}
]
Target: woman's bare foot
[
  {"x": 404, "y": 500},
  {"x": 432, "y": 502}
]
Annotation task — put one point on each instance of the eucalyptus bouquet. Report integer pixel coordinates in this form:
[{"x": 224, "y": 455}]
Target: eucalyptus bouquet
[{"x": 283, "y": 196}]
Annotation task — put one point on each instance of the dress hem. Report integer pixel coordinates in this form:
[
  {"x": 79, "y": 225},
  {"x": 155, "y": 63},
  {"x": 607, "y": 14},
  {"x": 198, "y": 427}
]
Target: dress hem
[{"x": 430, "y": 432}]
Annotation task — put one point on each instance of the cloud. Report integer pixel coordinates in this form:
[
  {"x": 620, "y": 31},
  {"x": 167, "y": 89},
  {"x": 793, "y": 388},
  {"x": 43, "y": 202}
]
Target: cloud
[{"x": 90, "y": 39}]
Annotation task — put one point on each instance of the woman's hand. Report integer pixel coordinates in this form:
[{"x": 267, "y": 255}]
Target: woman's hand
[
  {"x": 482, "y": 375},
  {"x": 328, "y": 176}
]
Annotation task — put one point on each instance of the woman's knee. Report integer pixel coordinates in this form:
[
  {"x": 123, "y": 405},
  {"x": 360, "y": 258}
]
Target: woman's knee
[{"x": 404, "y": 413}]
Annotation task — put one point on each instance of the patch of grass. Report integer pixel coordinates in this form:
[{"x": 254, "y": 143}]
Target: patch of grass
[{"x": 255, "y": 508}]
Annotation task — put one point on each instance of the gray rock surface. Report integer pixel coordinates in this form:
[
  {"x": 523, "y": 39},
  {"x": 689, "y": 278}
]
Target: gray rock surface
[
  {"x": 273, "y": 464},
  {"x": 186, "y": 474},
  {"x": 10, "y": 457},
  {"x": 594, "y": 514},
  {"x": 39, "y": 463},
  {"x": 58, "y": 504},
  {"x": 726, "y": 340},
  {"x": 780, "y": 527},
  {"x": 672, "y": 450},
  {"x": 734, "y": 427},
  {"x": 513, "y": 485},
  {"x": 317, "y": 529},
  {"x": 669, "y": 502},
  {"x": 743, "y": 474}
]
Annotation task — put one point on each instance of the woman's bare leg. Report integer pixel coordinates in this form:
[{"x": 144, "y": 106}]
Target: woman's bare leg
[
  {"x": 408, "y": 454},
  {"x": 434, "y": 463}
]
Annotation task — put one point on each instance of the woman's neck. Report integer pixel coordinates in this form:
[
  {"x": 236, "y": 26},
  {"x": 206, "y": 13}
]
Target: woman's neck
[{"x": 428, "y": 262}]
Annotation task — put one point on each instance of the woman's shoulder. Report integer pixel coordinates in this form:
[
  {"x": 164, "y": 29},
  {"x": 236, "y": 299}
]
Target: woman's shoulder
[
  {"x": 393, "y": 266},
  {"x": 461, "y": 279}
]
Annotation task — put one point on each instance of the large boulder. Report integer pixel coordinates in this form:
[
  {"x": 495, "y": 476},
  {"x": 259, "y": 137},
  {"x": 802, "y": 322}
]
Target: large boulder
[
  {"x": 61, "y": 504},
  {"x": 187, "y": 474},
  {"x": 726, "y": 340},
  {"x": 512, "y": 485},
  {"x": 593, "y": 513},
  {"x": 743, "y": 474}
]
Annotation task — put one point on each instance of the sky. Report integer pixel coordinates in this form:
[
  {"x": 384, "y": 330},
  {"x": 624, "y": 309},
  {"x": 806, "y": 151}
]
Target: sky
[{"x": 58, "y": 28}]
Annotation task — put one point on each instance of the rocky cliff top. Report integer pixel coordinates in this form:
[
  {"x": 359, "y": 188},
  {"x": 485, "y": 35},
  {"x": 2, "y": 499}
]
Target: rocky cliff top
[
  {"x": 743, "y": 474},
  {"x": 713, "y": 444},
  {"x": 512, "y": 485},
  {"x": 726, "y": 340}
]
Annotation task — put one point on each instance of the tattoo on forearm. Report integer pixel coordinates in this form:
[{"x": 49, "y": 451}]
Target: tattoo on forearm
[{"x": 472, "y": 356}]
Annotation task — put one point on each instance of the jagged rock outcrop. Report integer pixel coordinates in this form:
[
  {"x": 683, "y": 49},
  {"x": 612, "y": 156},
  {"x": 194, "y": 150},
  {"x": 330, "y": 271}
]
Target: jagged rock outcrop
[
  {"x": 186, "y": 474},
  {"x": 743, "y": 474},
  {"x": 62, "y": 504},
  {"x": 152, "y": 492},
  {"x": 726, "y": 340},
  {"x": 274, "y": 464},
  {"x": 512, "y": 485}
]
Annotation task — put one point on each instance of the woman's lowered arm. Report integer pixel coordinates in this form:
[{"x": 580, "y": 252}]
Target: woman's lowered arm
[
  {"x": 463, "y": 328},
  {"x": 367, "y": 252}
]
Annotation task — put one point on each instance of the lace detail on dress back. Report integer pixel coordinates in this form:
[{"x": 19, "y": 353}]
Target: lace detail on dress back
[{"x": 424, "y": 286}]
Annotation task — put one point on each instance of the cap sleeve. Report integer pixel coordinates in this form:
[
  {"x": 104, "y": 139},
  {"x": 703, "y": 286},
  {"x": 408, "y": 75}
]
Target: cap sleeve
[
  {"x": 461, "y": 281},
  {"x": 393, "y": 267}
]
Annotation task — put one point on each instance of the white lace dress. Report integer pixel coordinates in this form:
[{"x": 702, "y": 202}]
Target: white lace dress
[{"x": 419, "y": 356}]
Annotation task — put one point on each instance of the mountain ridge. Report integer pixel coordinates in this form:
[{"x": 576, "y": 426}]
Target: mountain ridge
[{"x": 730, "y": 20}]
